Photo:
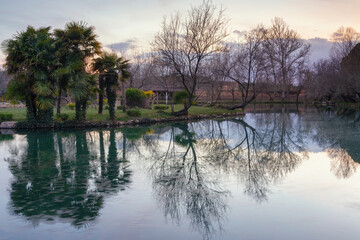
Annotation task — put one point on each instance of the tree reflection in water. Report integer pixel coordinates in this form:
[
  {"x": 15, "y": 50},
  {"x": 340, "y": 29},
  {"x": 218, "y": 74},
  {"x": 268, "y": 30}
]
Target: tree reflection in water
[
  {"x": 338, "y": 132},
  {"x": 184, "y": 185},
  {"x": 62, "y": 182},
  {"x": 66, "y": 175},
  {"x": 186, "y": 174}
]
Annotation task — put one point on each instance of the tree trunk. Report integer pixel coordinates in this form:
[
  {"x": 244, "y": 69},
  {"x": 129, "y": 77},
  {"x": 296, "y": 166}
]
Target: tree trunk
[
  {"x": 80, "y": 110},
  {"x": 111, "y": 94},
  {"x": 123, "y": 96},
  {"x": 83, "y": 109},
  {"x": 101, "y": 93},
  {"x": 77, "y": 110},
  {"x": 283, "y": 90},
  {"x": 184, "y": 111},
  {"x": 172, "y": 102},
  {"x": 297, "y": 96},
  {"x": 58, "y": 105},
  {"x": 243, "y": 104},
  {"x": 30, "y": 111}
]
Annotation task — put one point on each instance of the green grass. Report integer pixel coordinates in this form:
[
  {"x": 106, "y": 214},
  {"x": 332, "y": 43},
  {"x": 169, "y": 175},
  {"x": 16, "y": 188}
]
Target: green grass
[{"x": 19, "y": 114}]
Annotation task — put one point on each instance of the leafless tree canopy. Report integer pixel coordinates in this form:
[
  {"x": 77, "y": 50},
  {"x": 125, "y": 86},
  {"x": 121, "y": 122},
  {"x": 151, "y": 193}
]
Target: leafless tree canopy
[
  {"x": 184, "y": 43},
  {"x": 344, "y": 40},
  {"x": 286, "y": 51},
  {"x": 337, "y": 78},
  {"x": 244, "y": 64}
]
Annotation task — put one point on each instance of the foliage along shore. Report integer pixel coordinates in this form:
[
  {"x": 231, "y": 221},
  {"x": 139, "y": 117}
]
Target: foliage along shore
[
  {"x": 135, "y": 122},
  {"x": 148, "y": 116}
]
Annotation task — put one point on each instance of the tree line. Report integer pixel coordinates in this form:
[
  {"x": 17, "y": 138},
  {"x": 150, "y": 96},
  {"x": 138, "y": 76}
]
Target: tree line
[
  {"x": 196, "y": 48},
  {"x": 191, "y": 50}
]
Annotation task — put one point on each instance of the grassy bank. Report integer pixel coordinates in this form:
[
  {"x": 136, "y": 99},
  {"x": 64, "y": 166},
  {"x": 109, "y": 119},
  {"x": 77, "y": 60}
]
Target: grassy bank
[{"x": 19, "y": 114}]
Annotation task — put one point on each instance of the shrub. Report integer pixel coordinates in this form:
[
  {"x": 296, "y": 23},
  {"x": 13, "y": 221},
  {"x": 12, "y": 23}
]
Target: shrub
[
  {"x": 134, "y": 97},
  {"x": 119, "y": 107},
  {"x": 6, "y": 117},
  {"x": 149, "y": 94},
  {"x": 180, "y": 97},
  {"x": 106, "y": 107},
  {"x": 62, "y": 116},
  {"x": 133, "y": 113},
  {"x": 71, "y": 106},
  {"x": 161, "y": 107}
]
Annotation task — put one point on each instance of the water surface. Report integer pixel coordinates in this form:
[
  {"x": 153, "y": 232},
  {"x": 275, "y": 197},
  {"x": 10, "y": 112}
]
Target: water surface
[{"x": 279, "y": 173}]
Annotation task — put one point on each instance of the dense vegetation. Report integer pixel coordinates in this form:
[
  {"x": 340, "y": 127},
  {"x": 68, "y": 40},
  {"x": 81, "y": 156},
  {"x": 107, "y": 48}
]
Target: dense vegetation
[{"x": 46, "y": 65}]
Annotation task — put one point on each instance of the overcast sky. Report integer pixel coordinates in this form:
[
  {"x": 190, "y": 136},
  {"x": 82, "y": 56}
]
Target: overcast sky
[{"x": 122, "y": 23}]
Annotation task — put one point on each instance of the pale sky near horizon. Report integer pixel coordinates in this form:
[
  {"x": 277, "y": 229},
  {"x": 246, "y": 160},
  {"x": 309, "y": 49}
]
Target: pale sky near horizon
[{"x": 123, "y": 23}]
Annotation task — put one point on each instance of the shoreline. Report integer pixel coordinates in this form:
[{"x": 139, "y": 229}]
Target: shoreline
[{"x": 105, "y": 124}]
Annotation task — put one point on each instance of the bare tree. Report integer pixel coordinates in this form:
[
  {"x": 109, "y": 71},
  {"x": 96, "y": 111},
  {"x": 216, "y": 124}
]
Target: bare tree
[
  {"x": 140, "y": 68},
  {"x": 344, "y": 40},
  {"x": 334, "y": 79},
  {"x": 285, "y": 50},
  {"x": 350, "y": 68},
  {"x": 245, "y": 65},
  {"x": 185, "y": 43}
]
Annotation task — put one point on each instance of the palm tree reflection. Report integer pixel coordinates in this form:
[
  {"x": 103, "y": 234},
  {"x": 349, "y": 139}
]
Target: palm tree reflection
[
  {"x": 62, "y": 182},
  {"x": 67, "y": 175}
]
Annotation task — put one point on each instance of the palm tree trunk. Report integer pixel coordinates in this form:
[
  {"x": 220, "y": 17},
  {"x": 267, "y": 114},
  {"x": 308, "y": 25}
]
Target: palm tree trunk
[
  {"x": 123, "y": 96},
  {"x": 58, "y": 105},
  {"x": 83, "y": 109},
  {"x": 101, "y": 93},
  {"x": 77, "y": 110}
]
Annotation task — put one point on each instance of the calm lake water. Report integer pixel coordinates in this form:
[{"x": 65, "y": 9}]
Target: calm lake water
[{"x": 280, "y": 173}]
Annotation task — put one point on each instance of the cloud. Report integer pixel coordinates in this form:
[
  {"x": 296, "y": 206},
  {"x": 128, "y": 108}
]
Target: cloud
[
  {"x": 240, "y": 33},
  {"x": 320, "y": 48},
  {"x": 122, "y": 46}
]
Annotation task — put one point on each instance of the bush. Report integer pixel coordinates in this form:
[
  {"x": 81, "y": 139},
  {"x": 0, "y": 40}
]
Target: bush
[
  {"x": 149, "y": 94},
  {"x": 119, "y": 107},
  {"x": 161, "y": 107},
  {"x": 106, "y": 107},
  {"x": 71, "y": 106},
  {"x": 134, "y": 97},
  {"x": 180, "y": 97},
  {"x": 6, "y": 117},
  {"x": 62, "y": 116},
  {"x": 133, "y": 113}
]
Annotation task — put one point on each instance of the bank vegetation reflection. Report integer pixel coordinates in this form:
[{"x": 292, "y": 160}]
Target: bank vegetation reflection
[{"x": 66, "y": 175}]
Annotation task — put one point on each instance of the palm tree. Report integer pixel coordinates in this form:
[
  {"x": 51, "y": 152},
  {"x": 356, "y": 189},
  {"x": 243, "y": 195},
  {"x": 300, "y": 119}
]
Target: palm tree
[
  {"x": 105, "y": 63},
  {"x": 110, "y": 68},
  {"x": 31, "y": 62},
  {"x": 77, "y": 44}
]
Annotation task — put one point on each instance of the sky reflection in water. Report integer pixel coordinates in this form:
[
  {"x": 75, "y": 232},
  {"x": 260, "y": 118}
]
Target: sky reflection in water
[{"x": 278, "y": 174}]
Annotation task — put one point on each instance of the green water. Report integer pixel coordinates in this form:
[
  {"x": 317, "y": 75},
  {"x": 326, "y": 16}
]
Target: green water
[{"x": 279, "y": 173}]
